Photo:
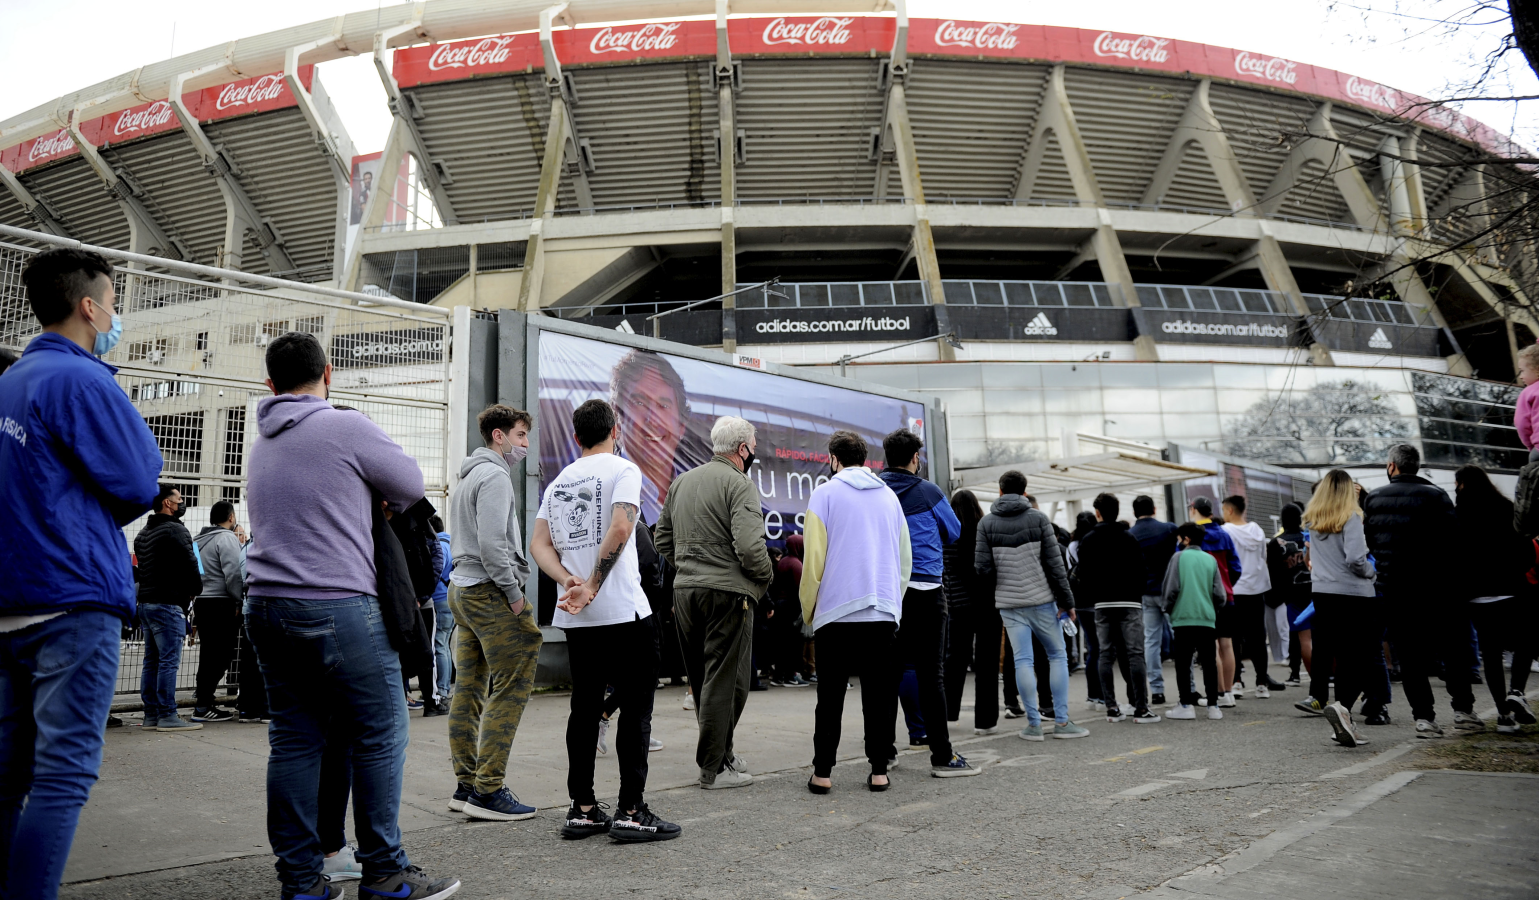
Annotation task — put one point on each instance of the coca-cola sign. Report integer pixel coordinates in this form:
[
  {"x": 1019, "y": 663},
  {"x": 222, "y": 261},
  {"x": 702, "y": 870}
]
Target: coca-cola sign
[
  {"x": 827, "y": 31},
  {"x": 638, "y": 39},
  {"x": 136, "y": 120},
  {"x": 1371, "y": 93},
  {"x": 247, "y": 93},
  {"x": 1140, "y": 48},
  {"x": 46, "y": 148},
  {"x": 985, "y": 36},
  {"x": 1270, "y": 68},
  {"x": 486, "y": 52}
]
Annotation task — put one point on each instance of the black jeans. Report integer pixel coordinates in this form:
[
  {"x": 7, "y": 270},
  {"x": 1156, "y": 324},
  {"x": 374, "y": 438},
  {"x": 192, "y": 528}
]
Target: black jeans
[
  {"x": 922, "y": 644},
  {"x": 1249, "y": 611},
  {"x": 1202, "y": 641},
  {"x": 786, "y": 640},
  {"x": 868, "y": 651},
  {"x": 1120, "y": 632},
  {"x": 1348, "y": 640},
  {"x": 623, "y": 654},
  {"x": 1505, "y": 623},
  {"x": 253, "y": 690},
  {"x": 960, "y": 653},
  {"x": 1424, "y": 632},
  {"x": 220, "y": 623}
]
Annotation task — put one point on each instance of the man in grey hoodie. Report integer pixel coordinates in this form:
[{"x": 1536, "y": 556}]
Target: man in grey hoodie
[
  {"x": 217, "y": 611},
  {"x": 499, "y": 639}
]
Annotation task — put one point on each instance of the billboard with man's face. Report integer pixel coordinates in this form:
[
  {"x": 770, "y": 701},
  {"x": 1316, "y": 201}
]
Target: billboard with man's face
[{"x": 667, "y": 405}]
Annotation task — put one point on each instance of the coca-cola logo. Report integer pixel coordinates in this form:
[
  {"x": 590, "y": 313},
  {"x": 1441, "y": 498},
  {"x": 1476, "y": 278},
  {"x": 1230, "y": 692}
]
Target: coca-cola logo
[
  {"x": 635, "y": 40},
  {"x": 1370, "y": 93},
  {"x": 485, "y": 52},
  {"x": 827, "y": 30},
  {"x": 1143, "y": 48},
  {"x": 158, "y": 113},
  {"x": 988, "y": 36},
  {"x": 268, "y": 87},
  {"x": 1271, "y": 68},
  {"x": 53, "y": 145}
]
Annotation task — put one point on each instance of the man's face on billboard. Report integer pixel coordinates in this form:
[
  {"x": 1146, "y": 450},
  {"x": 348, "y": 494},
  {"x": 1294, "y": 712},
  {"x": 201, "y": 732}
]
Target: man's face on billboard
[{"x": 653, "y": 422}]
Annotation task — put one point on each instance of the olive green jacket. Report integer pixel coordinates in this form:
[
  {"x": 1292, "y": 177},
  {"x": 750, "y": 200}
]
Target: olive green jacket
[{"x": 712, "y": 532}]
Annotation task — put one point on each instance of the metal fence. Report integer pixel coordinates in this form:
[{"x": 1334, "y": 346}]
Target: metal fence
[{"x": 192, "y": 361}]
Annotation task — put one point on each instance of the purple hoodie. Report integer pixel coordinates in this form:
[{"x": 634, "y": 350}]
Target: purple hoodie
[{"x": 313, "y": 474}]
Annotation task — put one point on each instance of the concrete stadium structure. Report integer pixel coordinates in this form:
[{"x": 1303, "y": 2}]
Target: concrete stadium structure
[{"x": 1044, "y": 196}]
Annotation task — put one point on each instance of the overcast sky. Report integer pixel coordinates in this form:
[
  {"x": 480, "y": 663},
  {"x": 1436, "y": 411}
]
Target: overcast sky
[{"x": 49, "y": 47}]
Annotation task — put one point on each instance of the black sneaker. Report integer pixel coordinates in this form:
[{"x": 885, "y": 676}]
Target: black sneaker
[
  {"x": 1517, "y": 707},
  {"x": 580, "y": 824},
  {"x": 1158, "y": 700},
  {"x": 322, "y": 889},
  {"x": 1379, "y": 716},
  {"x": 642, "y": 825},
  {"x": 114, "y": 722},
  {"x": 411, "y": 883},
  {"x": 212, "y": 714},
  {"x": 1014, "y": 712},
  {"x": 498, "y": 806},
  {"x": 434, "y": 708},
  {"x": 253, "y": 719},
  {"x": 1114, "y": 714},
  {"x": 462, "y": 793}
]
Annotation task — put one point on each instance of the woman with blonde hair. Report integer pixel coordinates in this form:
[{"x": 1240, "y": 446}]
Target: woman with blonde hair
[{"x": 1341, "y": 587}]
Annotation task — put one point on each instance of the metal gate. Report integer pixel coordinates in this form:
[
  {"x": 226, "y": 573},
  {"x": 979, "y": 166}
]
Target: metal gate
[{"x": 191, "y": 360}]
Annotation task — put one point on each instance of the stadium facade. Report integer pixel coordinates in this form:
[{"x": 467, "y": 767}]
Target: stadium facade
[{"x": 1066, "y": 230}]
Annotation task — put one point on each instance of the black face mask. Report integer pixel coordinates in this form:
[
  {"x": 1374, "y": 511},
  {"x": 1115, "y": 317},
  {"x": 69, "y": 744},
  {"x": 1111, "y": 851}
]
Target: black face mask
[
  {"x": 748, "y": 463},
  {"x": 181, "y": 510}
]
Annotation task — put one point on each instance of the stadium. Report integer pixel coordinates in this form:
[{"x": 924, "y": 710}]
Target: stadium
[{"x": 1055, "y": 231}]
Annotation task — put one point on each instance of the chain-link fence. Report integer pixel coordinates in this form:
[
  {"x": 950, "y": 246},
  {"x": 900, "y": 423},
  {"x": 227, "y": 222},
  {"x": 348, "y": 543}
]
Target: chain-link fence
[{"x": 192, "y": 361}]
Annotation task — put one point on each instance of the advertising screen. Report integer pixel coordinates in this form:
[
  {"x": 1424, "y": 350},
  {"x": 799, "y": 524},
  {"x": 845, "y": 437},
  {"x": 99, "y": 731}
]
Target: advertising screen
[{"x": 668, "y": 403}]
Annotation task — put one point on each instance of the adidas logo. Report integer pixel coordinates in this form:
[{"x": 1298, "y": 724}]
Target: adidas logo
[
  {"x": 1379, "y": 341},
  {"x": 1040, "y": 326}
]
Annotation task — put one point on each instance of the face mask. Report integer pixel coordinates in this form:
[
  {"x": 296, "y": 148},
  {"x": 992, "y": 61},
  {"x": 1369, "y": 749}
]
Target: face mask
[
  {"x": 106, "y": 340},
  {"x": 748, "y": 463},
  {"x": 181, "y": 508},
  {"x": 515, "y": 455}
]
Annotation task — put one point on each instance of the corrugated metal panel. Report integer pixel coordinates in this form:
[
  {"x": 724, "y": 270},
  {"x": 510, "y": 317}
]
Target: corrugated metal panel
[
  {"x": 1053, "y": 181},
  {"x": 1361, "y": 134},
  {"x": 1126, "y": 123},
  {"x": 183, "y": 198},
  {"x": 290, "y": 181},
  {"x": 1261, "y": 126},
  {"x": 12, "y": 213},
  {"x": 971, "y": 123},
  {"x": 85, "y": 206},
  {"x": 490, "y": 133},
  {"x": 652, "y": 130},
  {"x": 1195, "y": 184},
  {"x": 809, "y": 124},
  {"x": 1315, "y": 196}
]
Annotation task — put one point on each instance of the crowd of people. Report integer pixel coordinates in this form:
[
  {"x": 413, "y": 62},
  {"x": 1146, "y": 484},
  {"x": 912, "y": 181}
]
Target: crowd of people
[{"x": 356, "y": 586}]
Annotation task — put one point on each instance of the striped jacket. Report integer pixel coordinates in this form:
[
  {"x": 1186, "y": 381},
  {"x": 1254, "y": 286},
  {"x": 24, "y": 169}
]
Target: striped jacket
[{"x": 1018, "y": 545}]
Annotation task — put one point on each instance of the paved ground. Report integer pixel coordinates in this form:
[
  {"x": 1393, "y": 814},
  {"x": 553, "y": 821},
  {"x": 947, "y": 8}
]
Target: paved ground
[{"x": 1127, "y": 809}]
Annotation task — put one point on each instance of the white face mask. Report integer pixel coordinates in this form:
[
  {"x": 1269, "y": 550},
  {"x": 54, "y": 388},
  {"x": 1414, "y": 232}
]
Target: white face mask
[{"x": 515, "y": 455}]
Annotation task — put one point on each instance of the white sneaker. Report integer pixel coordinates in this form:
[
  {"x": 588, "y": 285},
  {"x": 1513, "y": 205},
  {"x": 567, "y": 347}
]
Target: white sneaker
[
  {"x": 740, "y": 764},
  {"x": 1226, "y": 700},
  {"x": 993, "y": 730},
  {"x": 1215, "y": 713},
  {"x": 654, "y": 746},
  {"x": 1181, "y": 711},
  {"x": 1263, "y": 692},
  {"x": 344, "y": 866},
  {"x": 728, "y": 778},
  {"x": 1238, "y": 690},
  {"x": 1468, "y": 723},
  {"x": 603, "y": 740},
  {"x": 689, "y": 700},
  {"x": 1428, "y": 729}
]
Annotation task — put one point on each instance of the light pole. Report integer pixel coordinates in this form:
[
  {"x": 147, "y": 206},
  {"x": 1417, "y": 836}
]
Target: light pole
[
  {"x": 657, "y": 325},
  {"x": 949, "y": 337}
]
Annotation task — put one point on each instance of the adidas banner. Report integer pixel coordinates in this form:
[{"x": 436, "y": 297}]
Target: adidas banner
[
  {"x": 1193, "y": 327},
  {"x": 1040, "y": 323},
  {"x": 835, "y": 325},
  {"x": 1393, "y": 340}
]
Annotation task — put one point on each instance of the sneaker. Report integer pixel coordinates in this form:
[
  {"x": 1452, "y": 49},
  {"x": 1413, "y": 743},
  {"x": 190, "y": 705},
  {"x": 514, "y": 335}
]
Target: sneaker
[
  {"x": 432, "y": 708},
  {"x": 1226, "y": 700},
  {"x": 642, "y": 825},
  {"x": 1426, "y": 728},
  {"x": 580, "y": 824},
  {"x": 114, "y": 721},
  {"x": 1114, "y": 714},
  {"x": 1310, "y": 705},
  {"x": 603, "y": 739},
  {"x": 462, "y": 792},
  {"x": 253, "y": 719},
  {"x": 1238, "y": 689},
  {"x": 177, "y": 723},
  {"x": 1181, "y": 711},
  {"x": 1145, "y": 716},
  {"x": 957, "y": 767},
  {"x": 740, "y": 764},
  {"x": 1157, "y": 700},
  {"x": 1507, "y": 725},
  {"x": 1340, "y": 719},
  {"x": 796, "y": 681},
  {"x": 758, "y": 686},
  {"x": 1378, "y": 716},
  {"x": 689, "y": 701},
  {"x": 728, "y": 778},
  {"x": 1014, "y": 712},
  {"x": 812, "y": 679},
  {"x": 344, "y": 866},
  {"x": 920, "y": 741},
  {"x": 654, "y": 745},
  {"x": 1293, "y": 681},
  {"x": 1215, "y": 713},
  {"x": 1096, "y": 705},
  {"x": 322, "y": 889},
  {"x": 1029, "y": 733},
  {"x": 993, "y": 729},
  {"x": 1202, "y": 701},
  {"x": 413, "y": 704},
  {"x": 1468, "y": 723},
  {"x": 1263, "y": 692},
  {"x": 1517, "y": 707},
  {"x": 212, "y": 714},
  {"x": 411, "y": 883},
  {"x": 498, "y": 806},
  {"x": 776, "y": 682},
  {"x": 1069, "y": 731}
]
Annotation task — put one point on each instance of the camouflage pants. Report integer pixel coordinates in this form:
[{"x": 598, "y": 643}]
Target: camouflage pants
[{"x": 495, "y": 653}]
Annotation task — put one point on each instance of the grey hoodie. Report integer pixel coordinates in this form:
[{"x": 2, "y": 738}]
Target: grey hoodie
[
  {"x": 485, "y": 539},
  {"x": 222, "y": 562}
]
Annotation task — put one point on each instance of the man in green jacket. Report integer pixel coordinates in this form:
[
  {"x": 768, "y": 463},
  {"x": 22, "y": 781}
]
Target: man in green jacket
[{"x": 712, "y": 532}]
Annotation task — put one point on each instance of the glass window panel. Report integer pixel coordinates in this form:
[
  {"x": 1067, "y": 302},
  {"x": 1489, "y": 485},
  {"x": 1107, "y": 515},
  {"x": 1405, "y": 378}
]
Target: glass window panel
[
  {"x": 1177, "y": 375},
  {"x": 1188, "y": 401},
  {"x": 1129, "y": 400},
  {"x": 1315, "y": 302},
  {"x": 812, "y": 294},
  {"x": 844, "y": 294},
  {"x": 1401, "y": 313},
  {"x": 1071, "y": 402},
  {"x": 898, "y": 376},
  {"x": 1055, "y": 375},
  {"x": 1102, "y": 295},
  {"x": 958, "y": 292},
  {"x": 1137, "y": 426},
  {"x": 1018, "y": 293},
  {"x": 1012, "y": 403},
  {"x": 1359, "y": 310},
  {"x": 758, "y": 297},
  {"x": 755, "y": 299},
  {"x": 909, "y": 293},
  {"x": 1149, "y": 295},
  {"x": 968, "y": 428},
  {"x": 965, "y": 402},
  {"x": 1235, "y": 402},
  {"x": 987, "y": 293},
  {"x": 876, "y": 293},
  {"x": 952, "y": 376},
  {"x": 1256, "y": 301},
  {"x": 1175, "y": 298},
  {"x": 1128, "y": 375},
  {"x": 1048, "y": 293},
  {"x": 1078, "y": 294},
  {"x": 1229, "y": 301},
  {"x": 1202, "y": 298},
  {"x": 1381, "y": 312}
]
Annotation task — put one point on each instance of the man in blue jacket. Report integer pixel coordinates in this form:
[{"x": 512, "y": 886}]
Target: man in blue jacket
[
  {"x": 1216, "y": 541},
  {"x": 443, "y": 623},
  {"x": 922, "y": 631},
  {"x": 77, "y": 463},
  {"x": 1157, "y": 541}
]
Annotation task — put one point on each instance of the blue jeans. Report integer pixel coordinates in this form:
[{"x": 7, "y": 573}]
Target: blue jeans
[
  {"x": 908, "y": 697},
  {"x": 164, "y": 626},
  {"x": 331, "y": 676},
  {"x": 1156, "y": 620},
  {"x": 1021, "y": 623},
  {"x": 56, "y": 683},
  {"x": 443, "y": 625}
]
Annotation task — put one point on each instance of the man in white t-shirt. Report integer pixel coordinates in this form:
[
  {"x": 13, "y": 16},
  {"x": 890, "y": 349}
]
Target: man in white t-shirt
[{"x": 584, "y": 541}]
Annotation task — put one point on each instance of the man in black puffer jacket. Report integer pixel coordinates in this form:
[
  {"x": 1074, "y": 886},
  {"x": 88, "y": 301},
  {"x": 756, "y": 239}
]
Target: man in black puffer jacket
[
  {"x": 1111, "y": 573},
  {"x": 1408, "y": 523},
  {"x": 169, "y": 578}
]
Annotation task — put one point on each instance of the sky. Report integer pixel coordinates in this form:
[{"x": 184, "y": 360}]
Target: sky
[{"x": 1393, "y": 42}]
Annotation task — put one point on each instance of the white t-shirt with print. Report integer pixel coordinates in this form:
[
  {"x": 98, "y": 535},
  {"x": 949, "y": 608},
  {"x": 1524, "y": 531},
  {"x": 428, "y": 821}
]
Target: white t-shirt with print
[{"x": 577, "y": 509}]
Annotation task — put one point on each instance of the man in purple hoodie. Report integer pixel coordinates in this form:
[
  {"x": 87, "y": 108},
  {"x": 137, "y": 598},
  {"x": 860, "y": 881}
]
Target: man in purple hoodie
[{"x": 316, "y": 475}]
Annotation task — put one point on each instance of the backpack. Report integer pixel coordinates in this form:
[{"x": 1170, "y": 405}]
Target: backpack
[
  {"x": 417, "y": 539},
  {"x": 1525, "y": 501}
]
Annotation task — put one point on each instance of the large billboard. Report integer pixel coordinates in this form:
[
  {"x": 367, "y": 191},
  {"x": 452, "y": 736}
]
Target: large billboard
[{"x": 668, "y": 403}]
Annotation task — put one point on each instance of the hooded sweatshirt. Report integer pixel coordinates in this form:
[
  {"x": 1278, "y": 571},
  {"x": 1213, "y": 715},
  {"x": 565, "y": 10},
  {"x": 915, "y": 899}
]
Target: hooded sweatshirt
[
  {"x": 1250, "y": 545},
  {"x": 487, "y": 544},
  {"x": 220, "y": 550},
  {"x": 316, "y": 473},
  {"x": 931, "y": 522},
  {"x": 1018, "y": 545},
  {"x": 857, "y": 553}
]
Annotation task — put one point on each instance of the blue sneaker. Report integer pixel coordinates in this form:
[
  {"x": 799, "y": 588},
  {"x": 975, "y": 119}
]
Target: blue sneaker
[
  {"x": 498, "y": 806},
  {"x": 411, "y": 883},
  {"x": 322, "y": 889},
  {"x": 413, "y": 704},
  {"x": 462, "y": 792},
  {"x": 956, "y": 767}
]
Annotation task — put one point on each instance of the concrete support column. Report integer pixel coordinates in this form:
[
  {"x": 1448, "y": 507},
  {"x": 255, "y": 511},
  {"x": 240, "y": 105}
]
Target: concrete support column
[
  {"x": 37, "y": 209},
  {"x": 544, "y": 204},
  {"x": 728, "y": 154},
  {"x": 913, "y": 189}
]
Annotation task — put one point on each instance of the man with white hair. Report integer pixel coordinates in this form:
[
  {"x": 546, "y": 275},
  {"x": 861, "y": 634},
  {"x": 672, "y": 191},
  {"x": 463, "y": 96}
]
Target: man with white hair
[{"x": 711, "y": 531}]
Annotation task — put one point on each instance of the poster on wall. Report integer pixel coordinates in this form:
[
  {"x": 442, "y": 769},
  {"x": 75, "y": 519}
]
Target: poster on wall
[
  {"x": 667, "y": 405},
  {"x": 365, "y": 181}
]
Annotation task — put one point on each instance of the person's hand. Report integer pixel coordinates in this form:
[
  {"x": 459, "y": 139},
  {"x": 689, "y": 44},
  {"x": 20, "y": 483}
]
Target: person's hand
[
  {"x": 1072, "y": 616},
  {"x": 517, "y": 606},
  {"x": 770, "y": 614},
  {"x": 241, "y": 533},
  {"x": 191, "y": 633},
  {"x": 576, "y": 598}
]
